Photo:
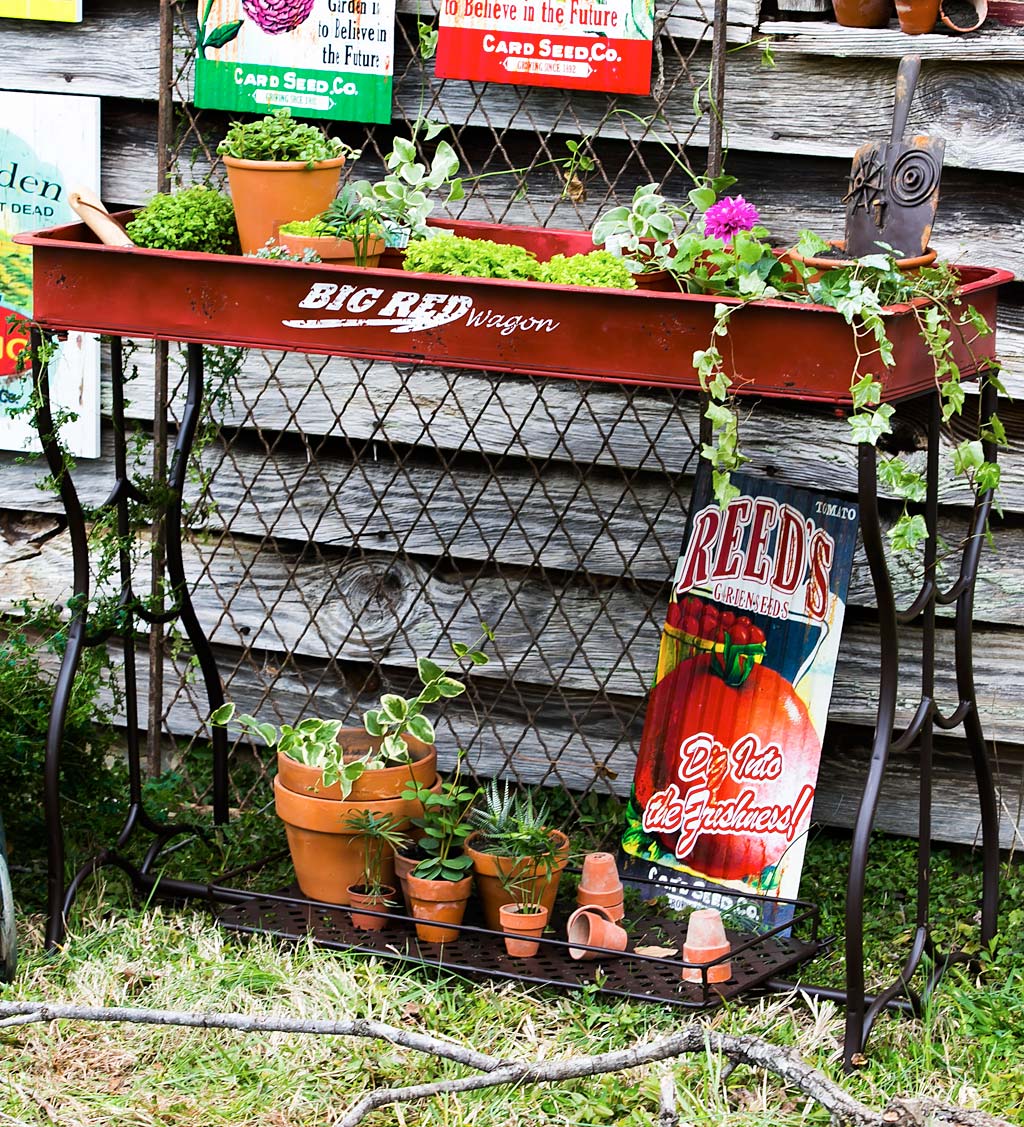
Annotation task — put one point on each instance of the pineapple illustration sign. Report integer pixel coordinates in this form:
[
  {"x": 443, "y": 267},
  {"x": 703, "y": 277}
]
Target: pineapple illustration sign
[
  {"x": 569, "y": 44},
  {"x": 318, "y": 58}
]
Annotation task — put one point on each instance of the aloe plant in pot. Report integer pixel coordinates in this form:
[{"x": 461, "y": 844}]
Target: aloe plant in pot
[{"x": 513, "y": 848}]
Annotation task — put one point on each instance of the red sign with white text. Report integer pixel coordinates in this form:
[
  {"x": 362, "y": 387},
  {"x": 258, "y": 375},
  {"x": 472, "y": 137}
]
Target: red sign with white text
[{"x": 569, "y": 44}]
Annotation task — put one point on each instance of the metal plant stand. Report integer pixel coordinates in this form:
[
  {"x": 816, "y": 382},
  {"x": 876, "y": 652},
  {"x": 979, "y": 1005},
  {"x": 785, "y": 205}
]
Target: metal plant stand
[{"x": 289, "y": 914}]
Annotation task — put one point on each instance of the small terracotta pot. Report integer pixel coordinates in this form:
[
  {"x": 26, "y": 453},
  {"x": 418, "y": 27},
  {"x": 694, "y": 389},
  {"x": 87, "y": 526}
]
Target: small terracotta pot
[
  {"x": 600, "y": 884},
  {"x": 917, "y": 17},
  {"x": 490, "y": 867},
  {"x": 514, "y": 921},
  {"x": 863, "y": 13},
  {"x": 972, "y": 24},
  {"x": 823, "y": 265},
  {"x": 657, "y": 281},
  {"x": 706, "y": 941},
  {"x": 403, "y": 867},
  {"x": 332, "y": 249},
  {"x": 613, "y": 905},
  {"x": 381, "y": 903},
  {"x": 269, "y": 193},
  {"x": 385, "y": 782},
  {"x": 437, "y": 902},
  {"x": 594, "y": 927}
]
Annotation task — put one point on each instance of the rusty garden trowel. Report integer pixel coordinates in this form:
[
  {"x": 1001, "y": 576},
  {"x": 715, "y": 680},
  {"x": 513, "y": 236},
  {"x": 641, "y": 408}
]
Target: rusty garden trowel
[{"x": 894, "y": 185}]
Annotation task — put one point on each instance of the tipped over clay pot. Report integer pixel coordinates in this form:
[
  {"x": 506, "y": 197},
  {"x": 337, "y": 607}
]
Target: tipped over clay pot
[
  {"x": 594, "y": 927},
  {"x": 705, "y": 942}
]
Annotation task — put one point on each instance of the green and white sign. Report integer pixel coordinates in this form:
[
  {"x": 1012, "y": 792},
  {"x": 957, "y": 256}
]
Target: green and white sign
[{"x": 319, "y": 58}]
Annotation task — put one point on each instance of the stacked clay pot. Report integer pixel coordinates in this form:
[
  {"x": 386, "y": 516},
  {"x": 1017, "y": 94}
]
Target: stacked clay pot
[
  {"x": 326, "y": 855},
  {"x": 601, "y": 885},
  {"x": 706, "y": 941}
]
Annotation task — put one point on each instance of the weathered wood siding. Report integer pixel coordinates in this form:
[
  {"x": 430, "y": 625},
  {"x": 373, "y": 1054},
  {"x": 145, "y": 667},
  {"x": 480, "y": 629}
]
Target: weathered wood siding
[{"x": 496, "y": 457}]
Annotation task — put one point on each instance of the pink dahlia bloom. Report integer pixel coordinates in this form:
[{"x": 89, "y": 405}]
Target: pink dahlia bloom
[
  {"x": 276, "y": 16},
  {"x": 723, "y": 219}
]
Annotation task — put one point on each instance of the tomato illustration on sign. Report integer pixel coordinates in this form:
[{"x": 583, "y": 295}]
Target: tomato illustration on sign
[{"x": 727, "y": 763}]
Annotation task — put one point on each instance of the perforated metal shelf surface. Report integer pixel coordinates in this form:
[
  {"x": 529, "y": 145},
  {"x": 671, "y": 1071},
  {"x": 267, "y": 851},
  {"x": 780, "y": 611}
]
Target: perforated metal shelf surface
[{"x": 754, "y": 959}]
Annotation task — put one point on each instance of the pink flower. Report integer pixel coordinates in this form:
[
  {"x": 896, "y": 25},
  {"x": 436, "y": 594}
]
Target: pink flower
[{"x": 723, "y": 219}]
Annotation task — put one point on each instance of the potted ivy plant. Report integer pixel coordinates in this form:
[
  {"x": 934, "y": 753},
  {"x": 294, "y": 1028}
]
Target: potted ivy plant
[
  {"x": 515, "y": 855},
  {"x": 440, "y": 885},
  {"x": 279, "y": 169},
  {"x": 327, "y": 773},
  {"x": 351, "y": 230},
  {"x": 380, "y": 836}
]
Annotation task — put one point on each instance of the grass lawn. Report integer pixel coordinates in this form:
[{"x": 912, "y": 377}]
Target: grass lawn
[{"x": 969, "y": 1050}]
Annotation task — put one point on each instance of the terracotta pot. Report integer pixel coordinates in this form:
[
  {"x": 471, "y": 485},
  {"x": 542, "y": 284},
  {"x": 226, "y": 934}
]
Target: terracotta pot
[
  {"x": 594, "y": 927},
  {"x": 326, "y": 856},
  {"x": 385, "y": 782},
  {"x": 657, "y": 281},
  {"x": 359, "y": 899},
  {"x": 437, "y": 902},
  {"x": 267, "y": 193},
  {"x": 490, "y": 867},
  {"x": 612, "y": 903},
  {"x": 706, "y": 941},
  {"x": 332, "y": 249},
  {"x": 600, "y": 884},
  {"x": 917, "y": 17},
  {"x": 403, "y": 867},
  {"x": 823, "y": 265},
  {"x": 971, "y": 23},
  {"x": 516, "y": 922},
  {"x": 863, "y": 13}
]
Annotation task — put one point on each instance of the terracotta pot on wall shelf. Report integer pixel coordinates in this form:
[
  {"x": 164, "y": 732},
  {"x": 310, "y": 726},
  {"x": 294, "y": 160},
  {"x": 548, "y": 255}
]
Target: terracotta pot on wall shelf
[
  {"x": 917, "y": 17},
  {"x": 359, "y": 898},
  {"x": 594, "y": 927},
  {"x": 269, "y": 193},
  {"x": 863, "y": 13},
  {"x": 706, "y": 941},
  {"x": 522, "y": 928},
  {"x": 434, "y": 903},
  {"x": 968, "y": 23}
]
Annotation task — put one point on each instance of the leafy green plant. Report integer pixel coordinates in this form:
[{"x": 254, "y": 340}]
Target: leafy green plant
[
  {"x": 446, "y": 825},
  {"x": 471, "y": 258},
  {"x": 197, "y": 219},
  {"x": 402, "y": 198},
  {"x": 599, "y": 268},
  {"x": 278, "y": 136},
  {"x": 379, "y": 835}
]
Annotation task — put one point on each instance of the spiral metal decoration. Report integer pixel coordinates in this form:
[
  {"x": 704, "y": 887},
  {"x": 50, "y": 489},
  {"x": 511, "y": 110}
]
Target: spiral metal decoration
[{"x": 915, "y": 175}]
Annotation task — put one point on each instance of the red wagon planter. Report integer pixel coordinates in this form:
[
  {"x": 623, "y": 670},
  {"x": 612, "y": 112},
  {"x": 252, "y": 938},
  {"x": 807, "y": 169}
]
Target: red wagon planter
[{"x": 775, "y": 348}]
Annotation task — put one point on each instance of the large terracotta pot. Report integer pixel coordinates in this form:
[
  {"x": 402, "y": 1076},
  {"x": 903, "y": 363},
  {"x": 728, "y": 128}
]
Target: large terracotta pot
[
  {"x": 490, "y": 867},
  {"x": 384, "y": 782},
  {"x": 823, "y": 265},
  {"x": 267, "y": 193},
  {"x": 437, "y": 902},
  {"x": 863, "y": 13},
  {"x": 327, "y": 857}
]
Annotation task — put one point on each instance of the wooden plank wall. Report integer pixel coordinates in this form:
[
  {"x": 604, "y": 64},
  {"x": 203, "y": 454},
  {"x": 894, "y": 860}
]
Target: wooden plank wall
[{"x": 791, "y": 132}]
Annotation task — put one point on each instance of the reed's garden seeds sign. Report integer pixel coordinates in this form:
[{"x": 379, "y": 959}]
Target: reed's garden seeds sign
[
  {"x": 63, "y": 11},
  {"x": 319, "y": 58},
  {"x": 569, "y": 44},
  {"x": 729, "y": 755},
  {"x": 49, "y": 144}
]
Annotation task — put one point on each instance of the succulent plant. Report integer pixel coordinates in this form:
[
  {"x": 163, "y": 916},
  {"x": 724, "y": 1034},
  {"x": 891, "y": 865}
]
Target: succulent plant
[{"x": 277, "y": 16}]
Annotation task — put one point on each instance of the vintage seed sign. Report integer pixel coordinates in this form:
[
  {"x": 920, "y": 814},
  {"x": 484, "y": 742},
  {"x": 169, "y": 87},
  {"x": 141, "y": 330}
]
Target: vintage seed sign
[
  {"x": 49, "y": 143},
  {"x": 728, "y": 760},
  {"x": 319, "y": 58},
  {"x": 570, "y": 44},
  {"x": 63, "y": 11}
]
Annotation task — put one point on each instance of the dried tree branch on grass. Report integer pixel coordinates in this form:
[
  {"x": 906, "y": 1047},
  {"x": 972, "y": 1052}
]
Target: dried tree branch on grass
[{"x": 493, "y": 1071}]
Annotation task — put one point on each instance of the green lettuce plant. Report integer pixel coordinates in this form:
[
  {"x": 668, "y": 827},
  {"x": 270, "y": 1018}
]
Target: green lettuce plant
[{"x": 197, "y": 219}]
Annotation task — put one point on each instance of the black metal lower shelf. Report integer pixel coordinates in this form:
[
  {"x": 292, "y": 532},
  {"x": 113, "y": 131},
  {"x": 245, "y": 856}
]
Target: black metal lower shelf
[{"x": 755, "y": 959}]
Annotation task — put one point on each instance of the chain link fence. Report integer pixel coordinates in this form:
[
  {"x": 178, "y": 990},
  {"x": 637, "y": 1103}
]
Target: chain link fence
[{"x": 349, "y": 516}]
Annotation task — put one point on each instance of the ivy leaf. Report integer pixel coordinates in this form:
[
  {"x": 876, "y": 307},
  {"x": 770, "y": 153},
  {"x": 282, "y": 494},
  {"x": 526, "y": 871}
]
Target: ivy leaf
[
  {"x": 372, "y": 724},
  {"x": 394, "y": 707},
  {"x": 449, "y": 687},
  {"x": 994, "y": 431},
  {"x": 456, "y": 191},
  {"x": 428, "y": 670},
  {"x": 866, "y": 392},
  {"x": 421, "y": 728},
  {"x": 220, "y": 36},
  {"x": 223, "y": 715},
  {"x": 968, "y": 456},
  {"x": 987, "y": 477},
  {"x": 908, "y": 532},
  {"x": 870, "y": 426}
]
